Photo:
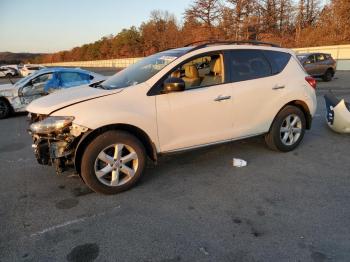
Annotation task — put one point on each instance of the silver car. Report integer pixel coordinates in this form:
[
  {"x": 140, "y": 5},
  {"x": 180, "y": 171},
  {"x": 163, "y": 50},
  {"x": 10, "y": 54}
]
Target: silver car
[
  {"x": 15, "y": 97},
  {"x": 319, "y": 65}
]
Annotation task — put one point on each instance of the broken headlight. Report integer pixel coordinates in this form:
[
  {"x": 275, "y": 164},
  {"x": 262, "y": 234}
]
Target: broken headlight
[{"x": 51, "y": 124}]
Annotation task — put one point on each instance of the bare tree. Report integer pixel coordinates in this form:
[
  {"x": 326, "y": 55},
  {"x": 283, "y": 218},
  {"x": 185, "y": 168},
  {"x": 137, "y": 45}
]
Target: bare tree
[{"x": 205, "y": 11}]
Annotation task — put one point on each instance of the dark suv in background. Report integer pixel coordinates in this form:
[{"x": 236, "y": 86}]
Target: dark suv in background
[{"x": 318, "y": 65}]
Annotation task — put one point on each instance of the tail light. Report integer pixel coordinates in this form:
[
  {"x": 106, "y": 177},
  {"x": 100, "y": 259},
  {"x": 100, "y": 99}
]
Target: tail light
[{"x": 311, "y": 81}]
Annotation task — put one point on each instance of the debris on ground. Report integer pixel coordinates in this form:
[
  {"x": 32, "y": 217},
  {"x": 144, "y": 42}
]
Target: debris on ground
[{"x": 239, "y": 162}]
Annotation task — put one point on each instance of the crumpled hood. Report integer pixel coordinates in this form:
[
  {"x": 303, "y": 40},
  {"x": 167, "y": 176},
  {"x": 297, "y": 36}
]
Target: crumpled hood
[{"x": 65, "y": 97}]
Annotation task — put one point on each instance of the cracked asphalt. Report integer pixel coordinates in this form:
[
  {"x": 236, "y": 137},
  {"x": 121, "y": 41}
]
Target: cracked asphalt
[{"x": 192, "y": 206}]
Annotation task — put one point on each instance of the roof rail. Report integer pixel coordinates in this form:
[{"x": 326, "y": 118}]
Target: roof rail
[{"x": 219, "y": 42}]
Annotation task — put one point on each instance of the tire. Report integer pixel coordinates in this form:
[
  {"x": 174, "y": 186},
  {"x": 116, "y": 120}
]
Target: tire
[
  {"x": 328, "y": 75},
  {"x": 101, "y": 162},
  {"x": 280, "y": 129},
  {"x": 5, "y": 108}
]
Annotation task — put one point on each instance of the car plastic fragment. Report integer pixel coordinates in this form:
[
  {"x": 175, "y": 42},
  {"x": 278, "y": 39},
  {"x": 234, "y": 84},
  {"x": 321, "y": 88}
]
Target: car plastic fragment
[
  {"x": 239, "y": 162},
  {"x": 338, "y": 114}
]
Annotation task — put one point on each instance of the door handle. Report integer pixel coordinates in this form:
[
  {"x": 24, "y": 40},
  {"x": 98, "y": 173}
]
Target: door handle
[
  {"x": 278, "y": 87},
  {"x": 220, "y": 98}
]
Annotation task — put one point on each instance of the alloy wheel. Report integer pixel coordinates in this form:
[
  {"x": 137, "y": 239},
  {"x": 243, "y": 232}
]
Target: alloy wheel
[
  {"x": 291, "y": 130},
  {"x": 116, "y": 165}
]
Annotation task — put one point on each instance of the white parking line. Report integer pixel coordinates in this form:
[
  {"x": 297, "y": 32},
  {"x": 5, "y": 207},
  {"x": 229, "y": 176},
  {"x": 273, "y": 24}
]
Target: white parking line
[{"x": 71, "y": 222}]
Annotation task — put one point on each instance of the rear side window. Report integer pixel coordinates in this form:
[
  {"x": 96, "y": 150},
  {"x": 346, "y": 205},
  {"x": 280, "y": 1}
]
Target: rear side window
[
  {"x": 310, "y": 60},
  {"x": 71, "y": 77},
  {"x": 248, "y": 64},
  {"x": 278, "y": 60},
  {"x": 320, "y": 57}
]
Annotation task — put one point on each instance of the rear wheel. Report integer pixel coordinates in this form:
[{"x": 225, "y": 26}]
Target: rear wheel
[
  {"x": 113, "y": 162},
  {"x": 328, "y": 75},
  {"x": 287, "y": 129},
  {"x": 5, "y": 108}
]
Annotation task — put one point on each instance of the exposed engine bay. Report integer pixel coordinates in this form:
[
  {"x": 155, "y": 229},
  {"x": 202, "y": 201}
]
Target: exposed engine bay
[{"x": 55, "y": 143}]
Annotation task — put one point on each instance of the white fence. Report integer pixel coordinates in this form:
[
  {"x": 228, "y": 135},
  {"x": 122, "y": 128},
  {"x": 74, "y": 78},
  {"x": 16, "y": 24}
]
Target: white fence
[
  {"x": 341, "y": 53},
  {"x": 124, "y": 62}
]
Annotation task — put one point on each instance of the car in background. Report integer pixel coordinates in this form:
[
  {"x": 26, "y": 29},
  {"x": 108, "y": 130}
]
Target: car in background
[
  {"x": 15, "y": 68},
  {"x": 26, "y": 70},
  {"x": 319, "y": 65},
  {"x": 7, "y": 72},
  {"x": 15, "y": 97}
]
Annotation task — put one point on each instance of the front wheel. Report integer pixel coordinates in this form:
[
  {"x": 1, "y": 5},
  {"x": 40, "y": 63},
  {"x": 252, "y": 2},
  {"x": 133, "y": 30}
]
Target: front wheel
[
  {"x": 113, "y": 162},
  {"x": 287, "y": 130},
  {"x": 5, "y": 109}
]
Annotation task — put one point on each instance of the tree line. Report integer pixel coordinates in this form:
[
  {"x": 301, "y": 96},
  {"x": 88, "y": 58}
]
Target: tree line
[{"x": 289, "y": 23}]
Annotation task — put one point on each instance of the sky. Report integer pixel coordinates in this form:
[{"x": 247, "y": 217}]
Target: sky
[{"x": 46, "y": 26}]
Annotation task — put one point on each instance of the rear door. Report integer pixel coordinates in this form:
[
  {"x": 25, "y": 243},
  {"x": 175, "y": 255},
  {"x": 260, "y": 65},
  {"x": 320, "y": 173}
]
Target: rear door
[
  {"x": 310, "y": 65},
  {"x": 322, "y": 64},
  {"x": 257, "y": 88}
]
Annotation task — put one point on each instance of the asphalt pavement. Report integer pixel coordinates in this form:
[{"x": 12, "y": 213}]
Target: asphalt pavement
[{"x": 192, "y": 206}]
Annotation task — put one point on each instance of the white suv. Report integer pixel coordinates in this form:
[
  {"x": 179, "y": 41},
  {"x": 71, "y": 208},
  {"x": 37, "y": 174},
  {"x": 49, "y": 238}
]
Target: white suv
[
  {"x": 175, "y": 100},
  {"x": 7, "y": 72}
]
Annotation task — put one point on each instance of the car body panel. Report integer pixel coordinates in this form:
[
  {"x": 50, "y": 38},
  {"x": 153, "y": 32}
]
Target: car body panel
[
  {"x": 193, "y": 117},
  {"x": 67, "y": 97},
  {"x": 119, "y": 106}
]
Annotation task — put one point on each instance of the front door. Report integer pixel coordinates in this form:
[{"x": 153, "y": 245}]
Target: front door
[
  {"x": 34, "y": 88},
  {"x": 202, "y": 114}
]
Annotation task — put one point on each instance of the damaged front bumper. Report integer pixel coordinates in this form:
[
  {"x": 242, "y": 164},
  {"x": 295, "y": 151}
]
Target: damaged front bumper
[{"x": 57, "y": 148}]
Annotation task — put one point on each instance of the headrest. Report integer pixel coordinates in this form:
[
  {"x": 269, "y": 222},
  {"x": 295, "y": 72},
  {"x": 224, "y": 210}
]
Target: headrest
[
  {"x": 215, "y": 66},
  {"x": 191, "y": 71},
  {"x": 176, "y": 74}
]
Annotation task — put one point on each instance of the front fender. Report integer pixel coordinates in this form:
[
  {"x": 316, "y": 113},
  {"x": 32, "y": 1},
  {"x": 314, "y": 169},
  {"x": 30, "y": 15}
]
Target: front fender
[{"x": 131, "y": 109}]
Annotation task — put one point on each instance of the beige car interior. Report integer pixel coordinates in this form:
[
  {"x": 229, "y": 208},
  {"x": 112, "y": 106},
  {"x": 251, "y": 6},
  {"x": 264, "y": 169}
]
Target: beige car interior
[
  {"x": 191, "y": 77},
  {"x": 194, "y": 77}
]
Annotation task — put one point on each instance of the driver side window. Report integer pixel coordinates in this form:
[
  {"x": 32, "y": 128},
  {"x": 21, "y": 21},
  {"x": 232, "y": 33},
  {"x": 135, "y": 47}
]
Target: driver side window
[
  {"x": 202, "y": 71},
  {"x": 36, "y": 85}
]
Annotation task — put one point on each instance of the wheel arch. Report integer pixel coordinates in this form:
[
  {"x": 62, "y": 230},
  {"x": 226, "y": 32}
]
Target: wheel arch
[
  {"x": 303, "y": 107},
  {"x": 137, "y": 132},
  {"x": 331, "y": 69},
  {"x": 3, "y": 98}
]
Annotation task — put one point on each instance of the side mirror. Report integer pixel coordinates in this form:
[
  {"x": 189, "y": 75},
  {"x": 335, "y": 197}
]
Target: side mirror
[{"x": 173, "y": 84}]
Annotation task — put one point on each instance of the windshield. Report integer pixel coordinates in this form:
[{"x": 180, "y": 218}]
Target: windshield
[
  {"x": 141, "y": 71},
  {"x": 27, "y": 78}
]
